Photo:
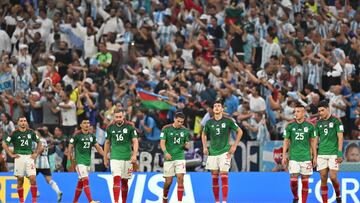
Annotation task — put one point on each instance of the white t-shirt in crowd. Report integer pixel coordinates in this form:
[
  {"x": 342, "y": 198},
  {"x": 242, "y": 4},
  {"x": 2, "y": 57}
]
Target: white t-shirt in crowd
[{"x": 68, "y": 116}]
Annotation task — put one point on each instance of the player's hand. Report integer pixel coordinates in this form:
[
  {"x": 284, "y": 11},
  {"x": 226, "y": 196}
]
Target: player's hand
[
  {"x": 133, "y": 159},
  {"x": 14, "y": 156},
  {"x": 314, "y": 162},
  {"x": 232, "y": 149},
  {"x": 186, "y": 145},
  {"x": 339, "y": 160},
  {"x": 168, "y": 157},
  {"x": 34, "y": 155},
  {"x": 284, "y": 162},
  {"x": 206, "y": 151},
  {"x": 106, "y": 162}
]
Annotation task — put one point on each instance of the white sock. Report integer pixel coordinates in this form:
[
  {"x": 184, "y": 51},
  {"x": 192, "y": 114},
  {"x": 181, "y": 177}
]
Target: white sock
[{"x": 54, "y": 186}]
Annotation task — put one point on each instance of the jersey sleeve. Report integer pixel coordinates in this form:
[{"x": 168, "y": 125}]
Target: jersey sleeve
[
  {"x": 163, "y": 134},
  {"x": 108, "y": 133},
  {"x": 187, "y": 137},
  {"x": 233, "y": 125},
  {"x": 312, "y": 131},
  {"x": 72, "y": 140},
  {"x": 207, "y": 129},
  {"x": 8, "y": 139},
  {"x": 94, "y": 141},
  {"x": 287, "y": 132},
  {"x": 34, "y": 137},
  {"x": 134, "y": 133},
  {"x": 339, "y": 126}
]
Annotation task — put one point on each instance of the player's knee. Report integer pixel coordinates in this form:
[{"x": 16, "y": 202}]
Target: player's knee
[{"x": 333, "y": 178}]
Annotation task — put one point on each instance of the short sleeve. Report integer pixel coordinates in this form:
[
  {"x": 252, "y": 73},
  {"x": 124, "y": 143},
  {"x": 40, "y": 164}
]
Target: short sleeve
[
  {"x": 163, "y": 134},
  {"x": 72, "y": 140},
  {"x": 339, "y": 126},
  {"x": 8, "y": 140},
  {"x": 206, "y": 128},
  {"x": 108, "y": 133},
  {"x": 233, "y": 125},
  {"x": 134, "y": 133},
  {"x": 286, "y": 132},
  {"x": 313, "y": 132},
  {"x": 94, "y": 141}
]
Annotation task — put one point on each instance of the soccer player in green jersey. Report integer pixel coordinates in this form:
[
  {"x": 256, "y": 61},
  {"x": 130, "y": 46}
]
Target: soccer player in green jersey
[
  {"x": 330, "y": 132},
  {"x": 82, "y": 142},
  {"x": 218, "y": 128},
  {"x": 22, "y": 140},
  {"x": 120, "y": 135},
  {"x": 300, "y": 139},
  {"x": 174, "y": 139}
]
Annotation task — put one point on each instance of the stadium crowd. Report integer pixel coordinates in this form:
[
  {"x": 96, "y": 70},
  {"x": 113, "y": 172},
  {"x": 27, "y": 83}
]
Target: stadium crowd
[{"x": 66, "y": 60}]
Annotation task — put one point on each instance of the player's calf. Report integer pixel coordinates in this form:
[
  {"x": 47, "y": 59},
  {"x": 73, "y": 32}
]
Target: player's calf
[
  {"x": 305, "y": 188},
  {"x": 116, "y": 188},
  {"x": 124, "y": 189},
  {"x": 294, "y": 187}
]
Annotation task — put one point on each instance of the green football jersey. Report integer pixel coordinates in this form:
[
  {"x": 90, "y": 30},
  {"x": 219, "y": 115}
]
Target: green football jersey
[
  {"x": 175, "y": 139},
  {"x": 120, "y": 138},
  {"x": 299, "y": 135},
  {"x": 327, "y": 131},
  {"x": 219, "y": 132},
  {"x": 83, "y": 144},
  {"x": 22, "y": 141}
]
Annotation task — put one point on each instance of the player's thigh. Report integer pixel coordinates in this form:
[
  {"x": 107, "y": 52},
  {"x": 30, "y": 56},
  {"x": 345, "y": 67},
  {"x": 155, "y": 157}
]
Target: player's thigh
[
  {"x": 20, "y": 166},
  {"x": 333, "y": 163},
  {"x": 82, "y": 170},
  {"x": 294, "y": 167},
  {"x": 322, "y": 162},
  {"x": 212, "y": 163},
  {"x": 180, "y": 166},
  {"x": 169, "y": 169},
  {"x": 127, "y": 170},
  {"x": 115, "y": 166},
  {"x": 30, "y": 167},
  {"x": 224, "y": 162},
  {"x": 306, "y": 168}
]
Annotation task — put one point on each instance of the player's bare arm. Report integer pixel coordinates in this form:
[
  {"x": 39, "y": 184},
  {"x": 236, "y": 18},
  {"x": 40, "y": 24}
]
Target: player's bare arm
[
  {"x": 163, "y": 148},
  {"x": 135, "y": 143},
  {"x": 187, "y": 146},
  {"x": 106, "y": 152},
  {"x": 285, "y": 148},
  {"x": 340, "y": 136},
  {"x": 70, "y": 152},
  {"x": 99, "y": 149},
  {"x": 313, "y": 143},
  {"x": 8, "y": 151},
  {"x": 204, "y": 143},
  {"x": 239, "y": 134},
  {"x": 38, "y": 150}
]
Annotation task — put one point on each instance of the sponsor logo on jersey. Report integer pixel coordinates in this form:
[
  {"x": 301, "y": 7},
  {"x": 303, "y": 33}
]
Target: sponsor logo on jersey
[
  {"x": 125, "y": 130},
  {"x": 223, "y": 125},
  {"x": 331, "y": 125},
  {"x": 293, "y": 129}
]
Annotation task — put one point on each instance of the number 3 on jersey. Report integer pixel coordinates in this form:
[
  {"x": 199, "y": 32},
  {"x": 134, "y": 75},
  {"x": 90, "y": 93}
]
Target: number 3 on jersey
[
  {"x": 299, "y": 136},
  {"x": 217, "y": 131}
]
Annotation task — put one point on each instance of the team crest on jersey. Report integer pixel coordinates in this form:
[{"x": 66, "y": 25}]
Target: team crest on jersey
[
  {"x": 125, "y": 130},
  {"x": 182, "y": 134},
  {"x": 331, "y": 125},
  {"x": 223, "y": 125},
  {"x": 29, "y": 136},
  {"x": 306, "y": 129},
  {"x": 91, "y": 139}
]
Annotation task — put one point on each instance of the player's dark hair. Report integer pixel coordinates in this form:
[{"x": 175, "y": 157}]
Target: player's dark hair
[
  {"x": 219, "y": 101},
  {"x": 20, "y": 117},
  {"x": 324, "y": 104},
  {"x": 299, "y": 105},
  {"x": 180, "y": 115},
  {"x": 119, "y": 111}
]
